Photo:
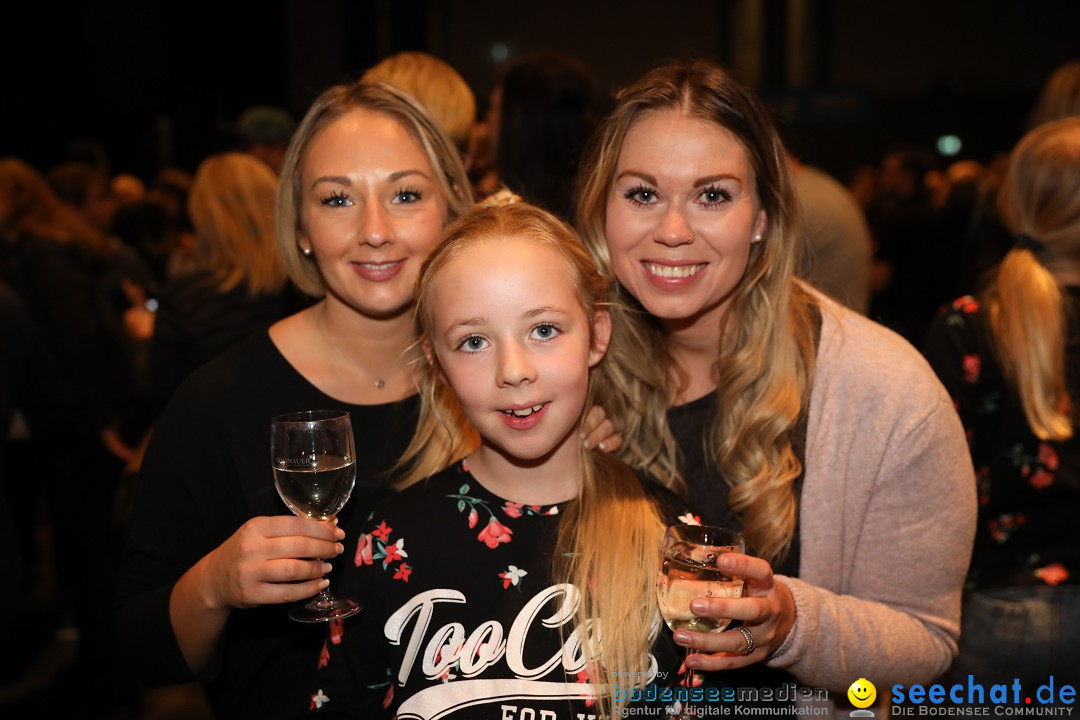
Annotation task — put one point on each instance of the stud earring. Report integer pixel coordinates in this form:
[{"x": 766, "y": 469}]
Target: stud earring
[
  {"x": 758, "y": 238},
  {"x": 306, "y": 251}
]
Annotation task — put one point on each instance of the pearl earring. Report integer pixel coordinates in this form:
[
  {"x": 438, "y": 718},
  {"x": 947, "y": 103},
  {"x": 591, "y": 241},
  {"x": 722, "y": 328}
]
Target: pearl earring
[
  {"x": 758, "y": 238},
  {"x": 306, "y": 251}
]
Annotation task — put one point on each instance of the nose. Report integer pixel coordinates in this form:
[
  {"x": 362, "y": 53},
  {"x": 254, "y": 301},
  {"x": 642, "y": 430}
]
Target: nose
[
  {"x": 674, "y": 230},
  {"x": 515, "y": 366},
  {"x": 375, "y": 229}
]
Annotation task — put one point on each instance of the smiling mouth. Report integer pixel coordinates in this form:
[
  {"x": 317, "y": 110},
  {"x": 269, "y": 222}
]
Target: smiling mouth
[
  {"x": 378, "y": 266},
  {"x": 673, "y": 271},
  {"x": 523, "y": 412}
]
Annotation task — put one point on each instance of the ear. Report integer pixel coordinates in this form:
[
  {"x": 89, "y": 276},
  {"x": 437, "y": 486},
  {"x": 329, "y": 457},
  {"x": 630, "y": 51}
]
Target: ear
[
  {"x": 761, "y": 224},
  {"x": 601, "y": 336},
  {"x": 303, "y": 242},
  {"x": 433, "y": 361}
]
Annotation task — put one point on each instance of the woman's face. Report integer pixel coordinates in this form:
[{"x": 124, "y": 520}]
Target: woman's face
[
  {"x": 371, "y": 211},
  {"x": 681, "y": 216}
]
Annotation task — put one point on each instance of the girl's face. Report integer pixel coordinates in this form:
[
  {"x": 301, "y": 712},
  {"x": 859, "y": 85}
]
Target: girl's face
[
  {"x": 512, "y": 339},
  {"x": 681, "y": 216},
  {"x": 371, "y": 211}
]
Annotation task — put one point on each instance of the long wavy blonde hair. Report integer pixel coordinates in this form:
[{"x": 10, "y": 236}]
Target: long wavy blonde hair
[
  {"x": 765, "y": 343},
  {"x": 1039, "y": 198},
  {"x": 617, "y": 580}
]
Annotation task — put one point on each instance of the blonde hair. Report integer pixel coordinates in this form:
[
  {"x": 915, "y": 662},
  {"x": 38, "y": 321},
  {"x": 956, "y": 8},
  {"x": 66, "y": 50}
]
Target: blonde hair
[
  {"x": 765, "y": 344},
  {"x": 339, "y": 100},
  {"x": 617, "y": 581},
  {"x": 35, "y": 208},
  {"x": 231, "y": 205},
  {"x": 1039, "y": 198},
  {"x": 435, "y": 85}
]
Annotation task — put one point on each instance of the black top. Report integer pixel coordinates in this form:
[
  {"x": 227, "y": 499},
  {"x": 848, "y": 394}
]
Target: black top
[
  {"x": 1029, "y": 490},
  {"x": 461, "y": 614},
  {"x": 206, "y": 472}
]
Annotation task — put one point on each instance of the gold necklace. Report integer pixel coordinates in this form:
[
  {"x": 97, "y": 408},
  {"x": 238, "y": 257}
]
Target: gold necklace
[{"x": 380, "y": 383}]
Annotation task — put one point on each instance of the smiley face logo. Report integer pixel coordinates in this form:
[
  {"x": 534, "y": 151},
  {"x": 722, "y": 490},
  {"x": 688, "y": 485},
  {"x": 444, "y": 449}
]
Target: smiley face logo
[{"x": 862, "y": 693}]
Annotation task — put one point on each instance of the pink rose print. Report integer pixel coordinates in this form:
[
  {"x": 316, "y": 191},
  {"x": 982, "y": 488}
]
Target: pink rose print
[
  {"x": 324, "y": 656},
  {"x": 363, "y": 550},
  {"x": 1048, "y": 457},
  {"x": 1053, "y": 574},
  {"x": 494, "y": 533},
  {"x": 473, "y": 517},
  {"x": 382, "y": 532},
  {"x": 583, "y": 678},
  {"x": 972, "y": 367},
  {"x": 337, "y": 629},
  {"x": 966, "y": 305},
  {"x": 403, "y": 572},
  {"x": 389, "y": 698},
  {"x": 1041, "y": 480},
  {"x": 513, "y": 509}
]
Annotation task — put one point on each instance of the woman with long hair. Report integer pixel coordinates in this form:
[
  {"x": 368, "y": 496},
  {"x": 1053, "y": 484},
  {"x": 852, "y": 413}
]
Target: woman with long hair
[
  {"x": 1009, "y": 359},
  {"x": 816, "y": 432}
]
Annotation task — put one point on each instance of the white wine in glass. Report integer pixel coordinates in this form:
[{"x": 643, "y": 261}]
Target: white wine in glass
[
  {"x": 314, "y": 462},
  {"x": 688, "y": 570}
]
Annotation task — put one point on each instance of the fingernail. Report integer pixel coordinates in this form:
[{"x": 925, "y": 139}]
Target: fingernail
[
  {"x": 682, "y": 637},
  {"x": 339, "y": 535},
  {"x": 324, "y": 583},
  {"x": 339, "y": 548},
  {"x": 699, "y": 606},
  {"x": 327, "y": 567},
  {"x": 600, "y": 445},
  {"x": 585, "y": 442},
  {"x": 726, "y": 561},
  {"x": 691, "y": 661}
]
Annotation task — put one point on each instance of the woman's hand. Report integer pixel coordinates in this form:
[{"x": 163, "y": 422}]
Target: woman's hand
[
  {"x": 266, "y": 561},
  {"x": 271, "y": 560},
  {"x": 766, "y": 609},
  {"x": 599, "y": 432}
]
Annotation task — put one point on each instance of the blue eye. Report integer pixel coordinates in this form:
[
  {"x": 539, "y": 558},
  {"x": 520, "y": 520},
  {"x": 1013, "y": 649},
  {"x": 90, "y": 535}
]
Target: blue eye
[
  {"x": 473, "y": 343},
  {"x": 641, "y": 195},
  {"x": 546, "y": 331},
  {"x": 337, "y": 199},
  {"x": 712, "y": 196},
  {"x": 407, "y": 196}
]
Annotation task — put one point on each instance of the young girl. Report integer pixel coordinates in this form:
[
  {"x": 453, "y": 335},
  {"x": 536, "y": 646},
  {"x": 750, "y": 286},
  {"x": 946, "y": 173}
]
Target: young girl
[{"x": 482, "y": 583}]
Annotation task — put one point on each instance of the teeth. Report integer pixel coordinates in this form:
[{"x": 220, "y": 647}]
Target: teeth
[
  {"x": 523, "y": 413},
  {"x": 668, "y": 271},
  {"x": 377, "y": 266}
]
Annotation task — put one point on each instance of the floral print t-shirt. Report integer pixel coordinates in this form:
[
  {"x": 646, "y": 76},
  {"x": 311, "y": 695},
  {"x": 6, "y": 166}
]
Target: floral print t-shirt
[
  {"x": 1028, "y": 489},
  {"x": 461, "y": 616}
]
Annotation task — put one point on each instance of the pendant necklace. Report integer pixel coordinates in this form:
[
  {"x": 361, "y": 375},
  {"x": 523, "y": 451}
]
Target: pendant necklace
[{"x": 380, "y": 383}]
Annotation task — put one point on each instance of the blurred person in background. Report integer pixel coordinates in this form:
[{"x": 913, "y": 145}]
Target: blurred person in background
[{"x": 1010, "y": 358}]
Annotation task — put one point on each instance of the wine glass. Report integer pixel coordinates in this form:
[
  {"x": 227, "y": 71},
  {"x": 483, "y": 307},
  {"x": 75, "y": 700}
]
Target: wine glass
[
  {"x": 688, "y": 570},
  {"x": 314, "y": 464}
]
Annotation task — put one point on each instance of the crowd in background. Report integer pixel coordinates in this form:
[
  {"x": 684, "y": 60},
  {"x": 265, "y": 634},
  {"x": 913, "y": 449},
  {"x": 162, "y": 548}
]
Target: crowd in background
[{"x": 114, "y": 288}]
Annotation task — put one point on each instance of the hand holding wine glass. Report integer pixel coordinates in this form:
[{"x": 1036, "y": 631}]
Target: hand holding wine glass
[
  {"x": 688, "y": 570},
  {"x": 314, "y": 465}
]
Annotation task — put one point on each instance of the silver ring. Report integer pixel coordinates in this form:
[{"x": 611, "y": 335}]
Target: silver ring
[{"x": 749, "y": 638}]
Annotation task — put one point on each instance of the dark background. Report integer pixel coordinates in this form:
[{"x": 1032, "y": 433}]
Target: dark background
[{"x": 156, "y": 82}]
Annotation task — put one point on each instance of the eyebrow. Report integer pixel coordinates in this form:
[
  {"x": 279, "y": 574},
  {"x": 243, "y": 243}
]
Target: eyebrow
[
  {"x": 392, "y": 177},
  {"x": 697, "y": 182},
  {"x": 477, "y": 320}
]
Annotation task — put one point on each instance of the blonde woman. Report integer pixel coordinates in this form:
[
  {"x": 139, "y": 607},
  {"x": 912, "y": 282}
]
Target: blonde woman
[
  {"x": 530, "y": 565},
  {"x": 824, "y": 437},
  {"x": 1009, "y": 360},
  {"x": 235, "y": 282}
]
